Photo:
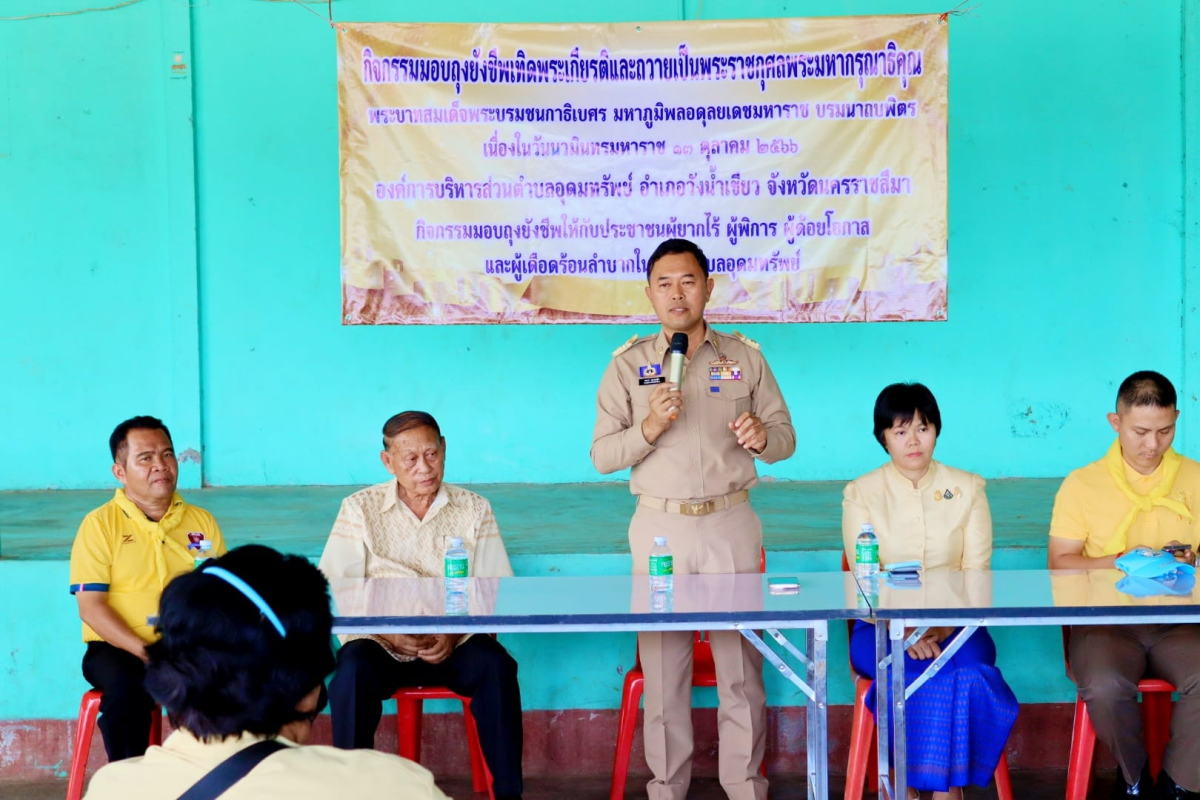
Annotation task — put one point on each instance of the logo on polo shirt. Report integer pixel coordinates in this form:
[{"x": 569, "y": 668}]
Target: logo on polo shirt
[{"x": 127, "y": 538}]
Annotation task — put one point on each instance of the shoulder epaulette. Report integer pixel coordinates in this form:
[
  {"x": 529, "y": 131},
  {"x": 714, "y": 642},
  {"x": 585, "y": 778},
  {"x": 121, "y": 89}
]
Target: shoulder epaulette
[
  {"x": 626, "y": 346},
  {"x": 746, "y": 340}
]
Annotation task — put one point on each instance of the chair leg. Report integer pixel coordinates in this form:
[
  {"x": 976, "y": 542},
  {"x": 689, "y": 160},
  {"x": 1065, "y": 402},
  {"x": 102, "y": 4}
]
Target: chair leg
[
  {"x": 89, "y": 710},
  {"x": 409, "y": 711},
  {"x": 862, "y": 741},
  {"x": 1083, "y": 747},
  {"x": 1003, "y": 783},
  {"x": 626, "y": 727},
  {"x": 1156, "y": 727},
  {"x": 481, "y": 776}
]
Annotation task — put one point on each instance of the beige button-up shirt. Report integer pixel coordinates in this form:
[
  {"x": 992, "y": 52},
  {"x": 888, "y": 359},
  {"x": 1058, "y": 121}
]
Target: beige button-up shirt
[
  {"x": 378, "y": 536},
  {"x": 698, "y": 457},
  {"x": 297, "y": 773},
  {"x": 943, "y": 522}
]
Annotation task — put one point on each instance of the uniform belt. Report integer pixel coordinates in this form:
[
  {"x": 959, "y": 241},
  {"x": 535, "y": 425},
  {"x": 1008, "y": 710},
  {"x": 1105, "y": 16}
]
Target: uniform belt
[{"x": 696, "y": 509}]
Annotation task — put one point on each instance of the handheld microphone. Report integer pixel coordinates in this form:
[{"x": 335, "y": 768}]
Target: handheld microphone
[{"x": 676, "y": 355}]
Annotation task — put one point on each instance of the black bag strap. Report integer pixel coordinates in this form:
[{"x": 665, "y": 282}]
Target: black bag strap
[{"x": 231, "y": 770}]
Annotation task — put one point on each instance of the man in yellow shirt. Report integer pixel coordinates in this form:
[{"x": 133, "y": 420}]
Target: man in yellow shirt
[
  {"x": 1142, "y": 493},
  {"x": 125, "y": 553}
]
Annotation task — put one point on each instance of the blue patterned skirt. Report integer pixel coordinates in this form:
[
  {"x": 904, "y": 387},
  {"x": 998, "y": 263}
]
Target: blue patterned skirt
[{"x": 958, "y": 722}]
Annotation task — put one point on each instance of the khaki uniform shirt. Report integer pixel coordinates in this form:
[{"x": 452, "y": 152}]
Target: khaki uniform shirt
[
  {"x": 378, "y": 536},
  {"x": 943, "y": 522},
  {"x": 297, "y": 773},
  {"x": 698, "y": 457}
]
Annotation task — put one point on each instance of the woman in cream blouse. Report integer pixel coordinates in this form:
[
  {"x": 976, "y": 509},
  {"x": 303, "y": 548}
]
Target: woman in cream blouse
[{"x": 959, "y": 721}]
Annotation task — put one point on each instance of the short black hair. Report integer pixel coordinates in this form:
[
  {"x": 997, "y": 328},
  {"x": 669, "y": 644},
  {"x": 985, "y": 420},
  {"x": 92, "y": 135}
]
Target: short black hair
[
  {"x": 221, "y": 668},
  {"x": 1146, "y": 388},
  {"x": 408, "y": 421},
  {"x": 118, "y": 443},
  {"x": 900, "y": 402},
  {"x": 677, "y": 247}
]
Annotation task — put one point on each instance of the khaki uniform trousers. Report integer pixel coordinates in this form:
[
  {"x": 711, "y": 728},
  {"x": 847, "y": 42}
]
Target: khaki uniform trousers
[
  {"x": 722, "y": 542},
  {"x": 1109, "y": 660}
]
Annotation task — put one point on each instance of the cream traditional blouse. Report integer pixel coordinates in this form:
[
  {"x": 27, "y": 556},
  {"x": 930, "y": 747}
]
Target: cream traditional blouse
[{"x": 943, "y": 522}]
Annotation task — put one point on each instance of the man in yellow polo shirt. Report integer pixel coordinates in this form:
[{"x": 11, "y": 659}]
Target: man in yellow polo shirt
[
  {"x": 1142, "y": 493},
  {"x": 125, "y": 553}
]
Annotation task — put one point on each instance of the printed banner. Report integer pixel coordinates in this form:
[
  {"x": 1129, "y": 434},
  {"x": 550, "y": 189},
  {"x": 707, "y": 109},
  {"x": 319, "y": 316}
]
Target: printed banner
[{"x": 525, "y": 173}]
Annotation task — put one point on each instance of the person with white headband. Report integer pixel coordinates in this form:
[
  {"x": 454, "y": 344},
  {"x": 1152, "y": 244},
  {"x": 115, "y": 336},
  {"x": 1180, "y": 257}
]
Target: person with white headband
[{"x": 240, "y": 667}]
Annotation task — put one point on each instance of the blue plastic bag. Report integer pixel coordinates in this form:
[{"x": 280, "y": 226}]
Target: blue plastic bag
[{"x": 1150, "y": 573}]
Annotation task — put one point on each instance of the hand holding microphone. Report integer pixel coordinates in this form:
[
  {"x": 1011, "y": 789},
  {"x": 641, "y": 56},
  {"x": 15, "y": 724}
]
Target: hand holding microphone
[
  {"x": 667, "y": 399},
  {"x": 676, "y": 356}
]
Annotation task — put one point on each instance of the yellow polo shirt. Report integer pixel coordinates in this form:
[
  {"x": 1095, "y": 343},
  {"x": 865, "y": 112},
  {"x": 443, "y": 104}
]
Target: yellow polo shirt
[
  {"x": 1089, "y": 507},
  {"x": 297, "y": 773},
  {"x": 120, "y": 551}
]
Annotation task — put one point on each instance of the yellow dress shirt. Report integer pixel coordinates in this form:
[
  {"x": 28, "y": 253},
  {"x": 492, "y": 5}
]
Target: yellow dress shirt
[
  {"x": 297, "y": 773},
  {"x": 943, "y": 522},
  {"x": 115, "y": 552},
  {"x": 698, "y": 457},
  {"x": 1089, "y": 506}
]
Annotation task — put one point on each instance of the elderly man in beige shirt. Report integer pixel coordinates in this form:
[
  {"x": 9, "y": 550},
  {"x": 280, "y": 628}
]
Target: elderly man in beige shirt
[{"x": 402, "y": 528}]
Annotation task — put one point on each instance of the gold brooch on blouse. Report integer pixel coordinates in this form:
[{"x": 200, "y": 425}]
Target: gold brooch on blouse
[{"x": 946, "y": 495}]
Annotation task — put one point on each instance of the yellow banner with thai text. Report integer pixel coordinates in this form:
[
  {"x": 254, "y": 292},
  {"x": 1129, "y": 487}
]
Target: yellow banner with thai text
[{"x": 525, "y": 173}]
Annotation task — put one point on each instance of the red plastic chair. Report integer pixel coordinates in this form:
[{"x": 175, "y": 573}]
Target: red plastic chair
[
  {"x": 704, "y": 673},
  {"x": 863, "y": 769},
  {"x": 89, "y": 710},
  {"x": 410, "y": 702},
  {"x": 1156, "y": 729}
]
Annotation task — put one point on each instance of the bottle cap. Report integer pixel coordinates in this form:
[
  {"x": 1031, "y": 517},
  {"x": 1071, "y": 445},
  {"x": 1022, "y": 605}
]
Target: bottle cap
[
  {"x": 867, "y": 527},
  {"x": 205, "y": 546},
  {"x": 660, "y": 541},
  {"x": 455, "y": 541}
]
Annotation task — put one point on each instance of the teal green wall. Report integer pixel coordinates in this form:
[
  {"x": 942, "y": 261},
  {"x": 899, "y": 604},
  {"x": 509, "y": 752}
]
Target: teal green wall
[
  {"x": 149, "y": 264},
  {"x": 40, "y": 660}
]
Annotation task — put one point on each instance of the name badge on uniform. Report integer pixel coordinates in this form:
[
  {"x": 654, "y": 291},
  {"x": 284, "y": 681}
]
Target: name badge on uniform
[
  {"x": 724, "y": 369},
  {"x": 650, "y": 375}
]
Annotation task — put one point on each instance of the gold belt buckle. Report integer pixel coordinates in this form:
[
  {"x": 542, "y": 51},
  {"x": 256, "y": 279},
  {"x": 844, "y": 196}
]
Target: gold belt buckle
[{"x": 697, "y": 509}]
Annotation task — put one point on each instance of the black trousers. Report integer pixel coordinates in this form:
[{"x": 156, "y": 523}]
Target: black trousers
[
  {"x": 480, "y": 668},
  {"x": 125, "y": 707}
]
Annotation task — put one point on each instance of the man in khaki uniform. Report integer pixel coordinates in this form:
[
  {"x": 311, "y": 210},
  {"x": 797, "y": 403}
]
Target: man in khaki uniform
[{"x": 692, "y": 449}]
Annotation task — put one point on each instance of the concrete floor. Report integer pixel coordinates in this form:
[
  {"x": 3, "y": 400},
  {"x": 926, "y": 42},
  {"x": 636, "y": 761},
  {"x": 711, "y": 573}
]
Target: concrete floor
[
  {"x": 1027, "y": 785},
  {"x": 543, "y": 519}
]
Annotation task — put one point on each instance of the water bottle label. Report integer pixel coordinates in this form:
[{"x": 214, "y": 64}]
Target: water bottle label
[
  {"x": 865, "y": 553},
  {"x": 662, "y": 565},
  {"x": 456, "y": 567}
]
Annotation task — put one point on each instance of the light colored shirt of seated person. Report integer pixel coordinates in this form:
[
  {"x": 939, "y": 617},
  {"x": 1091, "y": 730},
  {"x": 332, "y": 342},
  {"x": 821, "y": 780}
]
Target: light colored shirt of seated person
[
  {"x": 230, "y": 677},
  {"x": 921, "y": 509},
  {"x": 401, "y": 528}
]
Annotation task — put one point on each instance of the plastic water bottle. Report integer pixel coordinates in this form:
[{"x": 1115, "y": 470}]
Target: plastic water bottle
[
  {"x": 866, "y": 552},
  {"x": 203, "y": 553},
  {"x": 662, "y": 566},
  {"x": 456, "y": 566}
]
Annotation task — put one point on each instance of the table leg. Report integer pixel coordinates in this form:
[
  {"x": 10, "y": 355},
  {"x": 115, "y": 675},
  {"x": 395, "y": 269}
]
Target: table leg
[
  {"x": 814, "y": 684},
  {"x": 896, "y": 633},
  {"x": 819, "y": 710},
  {"x": 882, "y": 711}
]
